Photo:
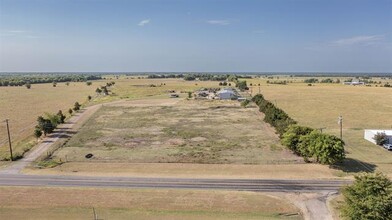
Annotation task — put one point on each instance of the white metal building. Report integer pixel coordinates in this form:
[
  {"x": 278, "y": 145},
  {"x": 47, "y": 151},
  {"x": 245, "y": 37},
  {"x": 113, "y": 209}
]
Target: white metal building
[
  {"x": 227, "y": 94},
  {"x": 369, "y": 135}
]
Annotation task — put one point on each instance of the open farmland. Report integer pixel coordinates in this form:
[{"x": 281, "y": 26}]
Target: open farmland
[
  {"x": 22, "y": 107},
  {"x": 143, "y": 88},
  {"x": 77, "y": 203},
  {"x": 171, "y": 131},
  {"x": 320, "y": 105}
]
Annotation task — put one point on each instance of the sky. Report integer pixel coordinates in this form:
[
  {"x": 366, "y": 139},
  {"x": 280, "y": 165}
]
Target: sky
[{"x": 196, "y": 36}]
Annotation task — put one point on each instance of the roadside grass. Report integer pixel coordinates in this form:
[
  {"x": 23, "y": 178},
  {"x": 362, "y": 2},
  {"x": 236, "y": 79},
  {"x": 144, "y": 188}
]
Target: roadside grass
[
  {"x": 61, "y": 203},
  {"x": 22, "y": 107},
  {"x": 361, "y": 107},
  {"x": 335, "y": 205},
  {"x": 190, "y": 131},
  {"x": 192, "y": 170}
]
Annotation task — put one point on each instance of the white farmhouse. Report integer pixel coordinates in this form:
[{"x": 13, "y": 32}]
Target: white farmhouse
[
  {"x": 227, "y": 93},
  {"x": 369, "y": 135}
]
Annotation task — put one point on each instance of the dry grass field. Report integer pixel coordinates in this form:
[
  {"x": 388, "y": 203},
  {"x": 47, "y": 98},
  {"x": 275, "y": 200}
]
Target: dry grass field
[
  {"x": 176, "y": 131},
  {"x": 320, "y": 105},
  {"x": 22, "y": 107},
  {"x": 77, "y": 203},
  {"x": 134, "y": 88}
]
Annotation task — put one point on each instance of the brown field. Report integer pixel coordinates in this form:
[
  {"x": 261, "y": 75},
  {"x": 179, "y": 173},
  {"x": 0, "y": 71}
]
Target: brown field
[
  {"x": 181, "y": 131},
  {"x": 133, "y": 88},
  {"x": 22, "y": 107},
  {"x": 320, "y": 105},
  {"x": 77, "y": 203},
  {"x": 317, "y": 106}
]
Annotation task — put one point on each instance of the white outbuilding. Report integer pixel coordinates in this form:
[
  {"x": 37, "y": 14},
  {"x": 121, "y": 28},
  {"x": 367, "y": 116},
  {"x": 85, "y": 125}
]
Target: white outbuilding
[
  {"x": 369, "y": 135},
  {"x": 227, "y": 93}
]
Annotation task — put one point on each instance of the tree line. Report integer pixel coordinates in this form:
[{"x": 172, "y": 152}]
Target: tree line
[
  {"x": 198, "y": 76},
  {"x": 19, "y": 80},
  {"x": 307, "y": 142},
  {"x": 46, "y": 124}
]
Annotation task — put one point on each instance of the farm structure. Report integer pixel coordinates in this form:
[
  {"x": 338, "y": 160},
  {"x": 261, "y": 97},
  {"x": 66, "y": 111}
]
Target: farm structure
[
  {"x": 213, "y": 93},
  {"x": 227, "y": 93},
  {"x": 354, "y": 82},
  {"x": 369, "y": 135}
]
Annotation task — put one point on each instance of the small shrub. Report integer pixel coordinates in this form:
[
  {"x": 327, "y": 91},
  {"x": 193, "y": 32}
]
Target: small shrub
[{"x": 380, "y": 138}]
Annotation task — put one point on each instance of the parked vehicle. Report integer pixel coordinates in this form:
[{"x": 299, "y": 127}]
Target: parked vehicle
[{"x": 388, "y": 146}]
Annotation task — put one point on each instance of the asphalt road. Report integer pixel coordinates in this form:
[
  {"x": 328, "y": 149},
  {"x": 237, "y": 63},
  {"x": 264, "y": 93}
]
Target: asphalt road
[{"x": 257, "y": 185}]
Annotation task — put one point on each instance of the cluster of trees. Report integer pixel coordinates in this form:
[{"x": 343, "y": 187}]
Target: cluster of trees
[
  {"x": 224, "y": 83},
  {"x": 46, "y": 125},
  {"x": 21, "y": 80},
  {"x": 327, "y": 80},
  {"x": 240, "y": 84},
  {"x": 273, "y": 115},
  {"x": 205, "y": 77},
  {"x": 313, "y": 145},
  {"x": 369, "y": 197},
  {"x": 104, "y": 89},
  {"x": 284, "y": 82},
  {"x": 309, "y": 143},
  {"x": 163, "y": 76}
]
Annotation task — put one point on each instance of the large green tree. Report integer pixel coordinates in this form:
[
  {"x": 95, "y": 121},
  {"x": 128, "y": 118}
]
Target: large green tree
[
  {"x": 45, "y": 125},
  {"x": 369, "y": 197},
  {"x": 324, "y": 148},
  {"x": 291, "y": 138}
]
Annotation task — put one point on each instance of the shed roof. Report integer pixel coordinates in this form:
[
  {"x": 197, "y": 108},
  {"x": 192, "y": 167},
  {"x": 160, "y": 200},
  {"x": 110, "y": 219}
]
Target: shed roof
[{"x": 387, "y": 132}]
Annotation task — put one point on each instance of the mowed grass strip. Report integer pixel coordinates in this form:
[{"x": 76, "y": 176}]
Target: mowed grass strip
[
  {"x": 77, "y": 203},
  {"x": 190, "y": 131}
]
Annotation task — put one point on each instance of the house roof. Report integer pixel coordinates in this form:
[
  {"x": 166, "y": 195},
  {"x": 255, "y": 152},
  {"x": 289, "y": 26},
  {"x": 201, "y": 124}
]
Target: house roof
[{"x": 226, "y": 90}]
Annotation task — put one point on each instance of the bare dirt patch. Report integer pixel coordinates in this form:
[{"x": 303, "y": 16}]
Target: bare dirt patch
[{"x": 185, "y": 131}]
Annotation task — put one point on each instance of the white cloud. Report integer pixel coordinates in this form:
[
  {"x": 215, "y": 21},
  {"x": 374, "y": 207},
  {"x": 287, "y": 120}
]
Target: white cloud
[
  {"x": 144, "y": 22},
  {"x": 218, "y": 22},
  {"x": 365, "y": 39}
]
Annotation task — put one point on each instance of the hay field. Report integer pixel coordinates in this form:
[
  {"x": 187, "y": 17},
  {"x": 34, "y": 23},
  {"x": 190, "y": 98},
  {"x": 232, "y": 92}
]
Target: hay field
[
  {"x": 187, "y": 131},
  {"x": 22, "y": 106},
  {"x": 144, "y": 88},
  {"x": 77, "y": 203},
  {"x": 320, "y": 105}
]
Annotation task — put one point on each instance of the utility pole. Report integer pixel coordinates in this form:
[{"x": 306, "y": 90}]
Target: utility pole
[
  {"x": 9, "y": 139},
  {"x": 340, "y": 122},
  {"x": 95, "y": 214}
]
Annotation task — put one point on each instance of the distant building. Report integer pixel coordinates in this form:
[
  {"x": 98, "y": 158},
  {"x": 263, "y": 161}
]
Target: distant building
[
  {"x": 369, "y": 135},
  {"x": 227, "y": 93},
  {"x": 354, "y": 82}
]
